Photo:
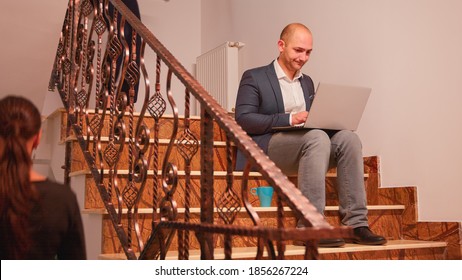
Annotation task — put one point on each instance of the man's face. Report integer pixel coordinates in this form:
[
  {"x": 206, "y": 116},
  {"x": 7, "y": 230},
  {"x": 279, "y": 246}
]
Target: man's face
[{"x": 296, "y": 51}]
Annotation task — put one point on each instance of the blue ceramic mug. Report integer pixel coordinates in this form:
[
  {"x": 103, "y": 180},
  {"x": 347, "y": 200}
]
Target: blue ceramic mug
[{"x": 265, "y": 195}]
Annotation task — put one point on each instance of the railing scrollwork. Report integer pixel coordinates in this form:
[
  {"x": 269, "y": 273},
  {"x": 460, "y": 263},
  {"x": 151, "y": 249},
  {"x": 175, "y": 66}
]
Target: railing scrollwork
[{"x": 134, "y": 157}]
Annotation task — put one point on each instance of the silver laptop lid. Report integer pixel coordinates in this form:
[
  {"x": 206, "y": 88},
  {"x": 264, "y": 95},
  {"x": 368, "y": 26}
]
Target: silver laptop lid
[{"x": 337, "y": 107}]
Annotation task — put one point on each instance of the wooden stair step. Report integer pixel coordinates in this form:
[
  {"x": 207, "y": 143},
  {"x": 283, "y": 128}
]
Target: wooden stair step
[
  {"x": 162, "y": 141},
  {"x": 102, "y": 211},
  {"x": 391, "y": 245},
  {"x": 194, "y": 173},
  {"x": 298, "y": 251}
]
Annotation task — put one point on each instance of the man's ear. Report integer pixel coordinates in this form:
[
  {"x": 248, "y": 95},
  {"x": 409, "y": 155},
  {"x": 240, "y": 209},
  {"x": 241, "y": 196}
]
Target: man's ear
[{"x": 281, "y": 45}]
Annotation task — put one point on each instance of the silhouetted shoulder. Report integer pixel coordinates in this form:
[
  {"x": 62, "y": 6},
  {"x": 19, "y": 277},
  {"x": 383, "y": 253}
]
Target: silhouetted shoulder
[{"x": 56, "y": 223}]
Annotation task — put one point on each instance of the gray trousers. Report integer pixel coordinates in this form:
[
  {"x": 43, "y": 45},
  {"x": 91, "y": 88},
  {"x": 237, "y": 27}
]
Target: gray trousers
[{"x": 309, "y": 154}]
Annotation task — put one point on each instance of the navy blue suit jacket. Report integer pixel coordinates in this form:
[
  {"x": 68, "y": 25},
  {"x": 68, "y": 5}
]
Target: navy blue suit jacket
[{"x": 260, "y": 107}]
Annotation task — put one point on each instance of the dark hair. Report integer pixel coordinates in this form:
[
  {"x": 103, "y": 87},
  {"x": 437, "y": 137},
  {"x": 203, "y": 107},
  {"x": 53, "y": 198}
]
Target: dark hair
[{"x": 19, "y": 122}]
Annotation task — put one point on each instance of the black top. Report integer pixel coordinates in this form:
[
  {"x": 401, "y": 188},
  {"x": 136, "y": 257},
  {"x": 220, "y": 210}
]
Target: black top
[{"x": 56, "y": 224}]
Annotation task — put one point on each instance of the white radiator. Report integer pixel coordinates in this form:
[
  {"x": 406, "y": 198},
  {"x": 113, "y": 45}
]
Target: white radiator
[{"x": 218, "y": 72}]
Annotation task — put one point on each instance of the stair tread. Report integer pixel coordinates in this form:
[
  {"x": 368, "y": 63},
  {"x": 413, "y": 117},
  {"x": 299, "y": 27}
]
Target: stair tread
[
  {"x": 101, "y": 211},
  {"x": 151, "y": 140},
  {"x": 292, "y": 250},
  {"x": 63, "y": 110}
]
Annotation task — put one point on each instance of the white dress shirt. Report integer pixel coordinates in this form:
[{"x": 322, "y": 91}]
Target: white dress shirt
[{"x": 292, "y": 92}]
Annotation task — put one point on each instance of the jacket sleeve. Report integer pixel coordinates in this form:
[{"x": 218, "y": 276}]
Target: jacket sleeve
[{"x": 256, "y": 107}]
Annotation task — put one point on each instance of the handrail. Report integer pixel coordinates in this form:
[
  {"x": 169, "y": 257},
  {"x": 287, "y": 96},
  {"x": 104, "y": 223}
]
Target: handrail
[{"x": 83, "y": 71}]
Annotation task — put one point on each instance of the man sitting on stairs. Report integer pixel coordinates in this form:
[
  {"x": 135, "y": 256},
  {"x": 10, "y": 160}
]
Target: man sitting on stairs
[{"x": 280, "y": 95}]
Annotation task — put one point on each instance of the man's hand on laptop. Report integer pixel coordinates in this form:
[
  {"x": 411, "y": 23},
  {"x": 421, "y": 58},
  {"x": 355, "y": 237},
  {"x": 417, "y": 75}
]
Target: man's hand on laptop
[{"x": 299, "y": 119}]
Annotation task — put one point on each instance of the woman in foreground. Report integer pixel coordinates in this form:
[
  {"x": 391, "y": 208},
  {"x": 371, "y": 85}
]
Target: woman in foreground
[{"x": 39, "y": 218}]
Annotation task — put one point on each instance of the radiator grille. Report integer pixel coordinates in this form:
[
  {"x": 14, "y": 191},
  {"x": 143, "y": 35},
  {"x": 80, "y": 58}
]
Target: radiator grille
[{"x": 217, "y": 70}]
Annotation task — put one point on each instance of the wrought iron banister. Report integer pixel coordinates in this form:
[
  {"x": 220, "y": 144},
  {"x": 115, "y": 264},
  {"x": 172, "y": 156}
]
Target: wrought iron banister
[{"x": 83, "y": 71}]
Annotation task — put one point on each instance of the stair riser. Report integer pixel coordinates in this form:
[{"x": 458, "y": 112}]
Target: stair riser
[
  {"x": 220, "y": 158},
  {"x": 371, "y": 182},
  {"x": 111, "y": 243},
  {"x": 387, "y": 222},
  {"x": 93, "y": 200},
  {"x": 165, "y": 127}
]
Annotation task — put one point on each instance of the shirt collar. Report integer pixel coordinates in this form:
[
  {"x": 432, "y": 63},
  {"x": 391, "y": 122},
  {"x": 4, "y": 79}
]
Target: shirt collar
[{"x": 282, "y": 75}]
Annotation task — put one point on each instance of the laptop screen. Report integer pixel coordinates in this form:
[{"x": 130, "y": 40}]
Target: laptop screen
[{"x": 337, "y": 107}]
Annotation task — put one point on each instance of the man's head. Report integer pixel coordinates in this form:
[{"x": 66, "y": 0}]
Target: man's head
[{"x": 295, "y": 45}]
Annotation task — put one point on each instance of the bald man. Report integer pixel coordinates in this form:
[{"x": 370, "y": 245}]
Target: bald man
[{"x": 280, "y": 95}]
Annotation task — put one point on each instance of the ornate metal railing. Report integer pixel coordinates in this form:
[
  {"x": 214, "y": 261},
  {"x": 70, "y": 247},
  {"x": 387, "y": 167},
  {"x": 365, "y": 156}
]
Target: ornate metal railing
[{"x": 100, "y": 62}]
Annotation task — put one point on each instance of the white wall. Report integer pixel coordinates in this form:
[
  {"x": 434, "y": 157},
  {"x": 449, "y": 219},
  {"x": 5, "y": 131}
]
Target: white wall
[
  {"x": 177, "y": 25},
  {"x": 216, "y": 23},
  {"x": 31, "y": 30},
  {"x": 408, "y": 52},
  {"x": 28, "y": 46}
]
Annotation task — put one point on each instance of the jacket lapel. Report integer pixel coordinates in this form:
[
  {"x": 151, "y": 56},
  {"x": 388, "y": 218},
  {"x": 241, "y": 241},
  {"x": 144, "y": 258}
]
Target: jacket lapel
[
  {"x": 273, "y": 79},
  {"x": 307, "y": 93}
]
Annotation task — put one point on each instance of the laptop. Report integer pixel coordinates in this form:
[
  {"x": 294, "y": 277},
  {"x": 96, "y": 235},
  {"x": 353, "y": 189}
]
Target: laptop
[{"x": 335, "y": 107}]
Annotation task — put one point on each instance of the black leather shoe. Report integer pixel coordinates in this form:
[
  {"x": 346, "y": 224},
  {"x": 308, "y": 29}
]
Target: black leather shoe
[
  {"x": 363, "y": 235},
  {"x": 324, "y": 243},
  {"x": 331, "y": 242}
]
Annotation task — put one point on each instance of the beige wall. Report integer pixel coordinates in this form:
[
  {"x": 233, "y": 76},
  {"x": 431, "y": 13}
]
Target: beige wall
[
  {"x": 408, "y": 52},
  {"x": 177, "y": 25},
  {"x": 30, "y": 32},
  {"x": 28, "y": 46}
]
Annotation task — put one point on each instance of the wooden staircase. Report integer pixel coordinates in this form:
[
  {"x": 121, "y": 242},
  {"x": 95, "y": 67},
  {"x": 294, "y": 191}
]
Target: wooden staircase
[
  {"x": 87, "y": 76},
  {"x": 392, "y": 211}
]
